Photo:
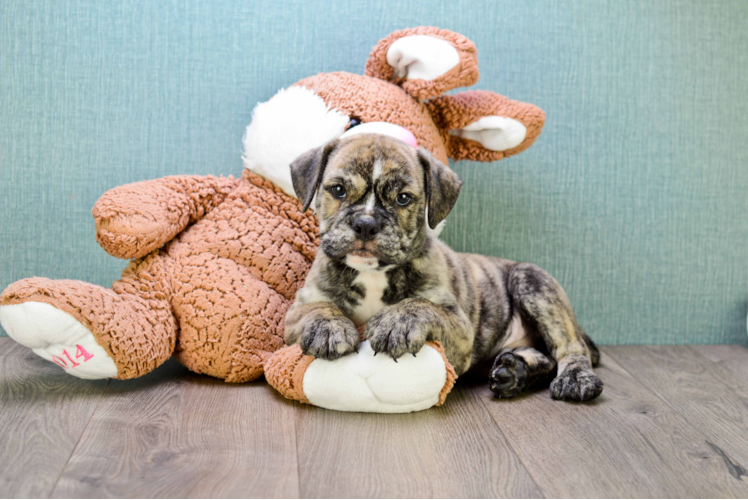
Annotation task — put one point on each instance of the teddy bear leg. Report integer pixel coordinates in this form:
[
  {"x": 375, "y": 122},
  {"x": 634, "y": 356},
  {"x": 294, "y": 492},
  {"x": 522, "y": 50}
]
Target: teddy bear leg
[
  {"x": 93, "y": 332},
  {"x": 229, "y": 321}
]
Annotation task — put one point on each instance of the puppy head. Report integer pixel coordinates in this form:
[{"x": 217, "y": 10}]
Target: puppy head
[{"x": 373, "y": 194}]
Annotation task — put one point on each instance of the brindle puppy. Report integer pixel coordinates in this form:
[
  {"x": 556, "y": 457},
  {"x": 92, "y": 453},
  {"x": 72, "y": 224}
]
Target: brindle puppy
[{"x": 378, "y": 265}]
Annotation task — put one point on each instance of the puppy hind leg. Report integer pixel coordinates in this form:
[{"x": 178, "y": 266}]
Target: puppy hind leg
[
  {"x": 516, "y": 370},
  {"x": 542, "y": 302}
]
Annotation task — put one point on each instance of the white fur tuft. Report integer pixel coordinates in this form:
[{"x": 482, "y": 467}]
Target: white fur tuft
[
  {"x": 437, "y": 230},
  {"x": 292, "y": 122}
]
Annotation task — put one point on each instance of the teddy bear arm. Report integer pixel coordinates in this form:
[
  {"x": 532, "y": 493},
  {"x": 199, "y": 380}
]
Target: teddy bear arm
[{"x": 135, "y": 219}]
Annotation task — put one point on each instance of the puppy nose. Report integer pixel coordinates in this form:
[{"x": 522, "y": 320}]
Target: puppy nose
[{"x": 365, "y": 227}]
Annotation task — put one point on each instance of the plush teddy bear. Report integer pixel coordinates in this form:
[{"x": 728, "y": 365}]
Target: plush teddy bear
[{"x": 216, "y": 261}]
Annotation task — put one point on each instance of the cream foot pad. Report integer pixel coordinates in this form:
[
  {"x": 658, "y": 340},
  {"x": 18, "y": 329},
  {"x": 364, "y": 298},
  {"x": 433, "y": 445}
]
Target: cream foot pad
[
  {"x": 57, "y": 337},
  {"x": 363, "y": 382}
]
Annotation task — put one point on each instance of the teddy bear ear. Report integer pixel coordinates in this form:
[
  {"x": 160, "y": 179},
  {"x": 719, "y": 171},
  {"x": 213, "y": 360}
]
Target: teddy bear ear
[
  {"x": 484, "y": 126},
  {"x": 425, "y": 61}
]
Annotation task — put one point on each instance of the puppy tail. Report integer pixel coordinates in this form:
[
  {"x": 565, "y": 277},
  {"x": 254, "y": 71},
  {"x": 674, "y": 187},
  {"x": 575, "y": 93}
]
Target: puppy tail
[{"x": 594, "y": 351}]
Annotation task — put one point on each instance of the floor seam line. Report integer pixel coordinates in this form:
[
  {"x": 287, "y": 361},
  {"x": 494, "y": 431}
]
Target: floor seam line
[
  {"x": 77, "y": 443},
  {"x": 736, "y": 375},
  {"x": 296, "y": 444},
  {"x": 665, "y": 401},
  {"x": 654, "y": 393},
  {"x": 509, "y": 443}
]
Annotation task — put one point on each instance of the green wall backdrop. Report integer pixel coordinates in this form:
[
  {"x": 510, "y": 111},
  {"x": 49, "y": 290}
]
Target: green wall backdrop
[{"x": 635, "y": 196}]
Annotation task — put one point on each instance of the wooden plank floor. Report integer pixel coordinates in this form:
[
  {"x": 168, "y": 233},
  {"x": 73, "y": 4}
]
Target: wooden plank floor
[{"x": 672, "y": 422}]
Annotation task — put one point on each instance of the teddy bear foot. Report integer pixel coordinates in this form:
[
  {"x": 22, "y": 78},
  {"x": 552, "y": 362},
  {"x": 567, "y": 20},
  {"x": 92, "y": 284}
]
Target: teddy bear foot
[
  {"x": 362, "y": 381},
  {"x": 57, "y": 337}
]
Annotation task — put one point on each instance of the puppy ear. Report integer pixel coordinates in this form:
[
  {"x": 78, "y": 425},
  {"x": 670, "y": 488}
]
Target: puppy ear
[
  {"x": 424, "y": 61},
  {"x": 484, "y": 126},
  {"x": 442, "y": 187},
  {"x": 307, "y": 171}
]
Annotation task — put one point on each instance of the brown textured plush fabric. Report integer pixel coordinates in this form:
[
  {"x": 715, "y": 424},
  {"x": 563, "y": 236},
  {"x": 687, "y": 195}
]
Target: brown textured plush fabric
[
  {"x": 285, "y": 370},
  {"x": 135, "y": 219},
  {"x": 224, "y": 284},
  {"x": 132, "y": 321},
  {"x": 451, "y": 112},
  {"x": 372, "y": 100},
  {"x": 462, "y": 75},
  {"x": 238, "y": 268}
]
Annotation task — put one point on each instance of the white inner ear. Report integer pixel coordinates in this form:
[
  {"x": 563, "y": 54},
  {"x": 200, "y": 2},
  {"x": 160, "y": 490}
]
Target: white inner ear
[
  {"x": 292, "y": 122},
  {"x": 496, "y": 133},
  {"x": 422, "y": 57}
]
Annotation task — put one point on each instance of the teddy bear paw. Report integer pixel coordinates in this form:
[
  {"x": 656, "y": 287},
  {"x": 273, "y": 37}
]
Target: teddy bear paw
[{"x": 57, "y": 337}]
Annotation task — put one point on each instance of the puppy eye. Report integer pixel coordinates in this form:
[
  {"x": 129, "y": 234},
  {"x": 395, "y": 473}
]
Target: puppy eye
[
  {"x": 338, "y": 191},
  {"x": 403, "y": 199}
]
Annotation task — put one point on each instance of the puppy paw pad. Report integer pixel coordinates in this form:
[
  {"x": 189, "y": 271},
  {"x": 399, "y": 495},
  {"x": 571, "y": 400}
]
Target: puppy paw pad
[{"x": 508, "y": 376}]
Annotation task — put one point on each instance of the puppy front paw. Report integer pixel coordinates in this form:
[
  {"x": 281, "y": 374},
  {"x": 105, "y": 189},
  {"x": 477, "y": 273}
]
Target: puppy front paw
[
  {"x": 396, "y": 331},
  {"x": 576, "y": 384},
  {"x": 329, "y": 338}
]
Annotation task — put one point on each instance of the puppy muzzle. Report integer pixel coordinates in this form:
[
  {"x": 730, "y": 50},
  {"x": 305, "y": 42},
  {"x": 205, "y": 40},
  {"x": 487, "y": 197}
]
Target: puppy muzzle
[{"x": 366, "y": 227}]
